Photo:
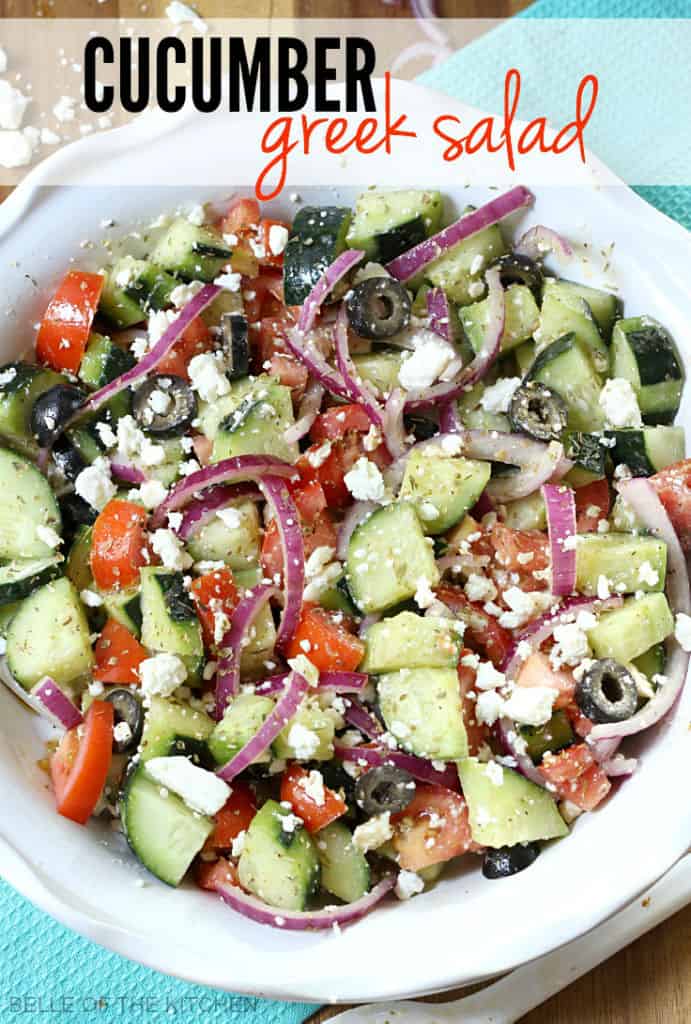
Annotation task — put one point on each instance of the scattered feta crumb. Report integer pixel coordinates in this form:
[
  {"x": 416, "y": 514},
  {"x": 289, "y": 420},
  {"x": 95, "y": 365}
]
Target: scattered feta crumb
[
  {"x": 495, "y": 773},
  {"x": 170, "y": 550},
  {"x": 13, "y": 104},
  {"x": 313, "y": 785},
  {"x": 16, "y": 149},
  {"x": 619, "y": 403},
  {"x": 303, "y": 741},
  {"x": 424, "y": 595},
  {"x": 230, "y": 282},
  {"x": 497, "y": 397},
  {"x": 524, "y": 606},
  {"x": 647, "y": 574},
  {"x": 201, "y": 790},
  {"x": 408, "y": 883},
  {"x": 427, "y": 362},
  {"x": 152, "y": 493},
  {"x": 238, "y": 844},
  {"x": 531, "y": 705},
  {"x": 90, "y": 598},
  {"x": 479, "y": 588},
  {"x": 184, "y": 293},
  {"x": 94, "y": 484},
  {"x": 278, "y": 239},
  {"x": 49, "y": 536},
  {"x": 122, "y": 732},
  {"x": 64, "y": 109},
  {"x": 373, "y": 833},
  {"x": 603, "y": 588},
  {"x": 208, "y": 376},
  {"x": 571, "y": 645},
  {"x": 364, "y": 481},
  {"x": 488, "y": 677},
  {"x": 488, "y": 707},
  {"x": 161, "y": 675},
  {"x": 682, "y": 630}
]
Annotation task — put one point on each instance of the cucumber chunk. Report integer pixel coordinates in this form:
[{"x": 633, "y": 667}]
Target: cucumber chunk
[
  {"x": 242, "y": 719},
  {"x": 516, "y": 811},
  {"x": 318, "y": 237},
  {"x": 385, "y": 224},
  {"x": 627, "y": 632},
  {"x": 320, "y": 722},
  {"x": 191, "y": 252},
  {"x": 19, "y": 579},
  {"x": 527, "y": 513},
  {"x": 237, "y": 545},
  {"x": 380, "y": 368},
  {"x": 651, "y": 663},
  {"x": 345, "y": 872},
  {"x": 644, "y": 353},
  {"x": 566, "y": 367},
  {"x": 262, "y": 640},
  {"x": 589, "y": 455},
  {"x": 125, "y": 607},
  {"x": 49, "y": 635},
  {"x": 459, "y": 271},
  {"x": 22, "y": 385},
  {"x": 648, "y": 450},
  {"x": 620, "y": 557},
  {"x": 162, "y": 832},
  {"x": 169, "y": 621},
  {"x": 410, "y": 641},
  {"x": 553, "y": 736},
  {"x": 443, "y": 488},
  {"x": 78, "y": 567},
  {"x": 422, "y": 709},
  {"x": 521, "y": 319},
  {"x": 256, "y": 424},
  {"x": 168, "y": 720},
  {"x": 563, "y": 313},
  {"x": 279, "y": 866},
  {"x": 388, "y": 554},
  {"x": 604, "y": 306},
  {"x": 103, "y": 361},
  {"x": 27, "y": 503}
]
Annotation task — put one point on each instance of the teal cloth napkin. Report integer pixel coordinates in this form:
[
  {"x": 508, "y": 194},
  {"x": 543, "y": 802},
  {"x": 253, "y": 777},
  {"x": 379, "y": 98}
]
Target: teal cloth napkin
[{"x": 48, "y": 973}]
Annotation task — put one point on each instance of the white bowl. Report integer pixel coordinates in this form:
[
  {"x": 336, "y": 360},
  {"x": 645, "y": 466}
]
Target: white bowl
[{"x": 466, "y": 928}]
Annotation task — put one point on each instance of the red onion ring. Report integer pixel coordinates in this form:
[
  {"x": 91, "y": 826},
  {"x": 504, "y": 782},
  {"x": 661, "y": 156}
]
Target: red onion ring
[
  {"x": 561, "y": 525},
  {"x": 201, "y": 511},
  {"x": 304, "y": 349},
  {"x": 338, "y": 681},
  {"x": 127, "y": 472},
  {"x": 358, "y": 389},
  {"x": 303, "y": 920},
  {"x": 410, "y": 263},
  {"x": 537, "y": 242},
  {"x": 239, "y": 468},
  {"x": 307, "y": 413},
  {"x": 509, "y": 737},
  {"x": 288, "y": 521},
  {"x": 394, "y": 426},
  {"x": 57, "y": 703},
  {"x": 357, "y": 715},
  {"x": 231, "y": 646},
  {"x": 449, "y": 420},
  {"x": 285, "y": 708},
  {"x": 439, "y": 313},
  {"x": 355, "y": 514},
  {"x": 419, "y": 767},
  {"x": 331, "y": 276}
]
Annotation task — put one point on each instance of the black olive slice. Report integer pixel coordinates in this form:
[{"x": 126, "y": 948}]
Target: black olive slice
[
  {"x": 128, "y": 710},
  {"x": 509, "y": 860},
  {"x": 538, "y": 411},
  {"x": 52, "y": 410},
  {"x": 515, "y": 269},
  {"x": 378, "y": 308},
  {"x": 236, "y": 344},
  {"x": 164, "y": 405},
  {"x": 607, "y": 692},
  {"x": 385, "y": 788}
]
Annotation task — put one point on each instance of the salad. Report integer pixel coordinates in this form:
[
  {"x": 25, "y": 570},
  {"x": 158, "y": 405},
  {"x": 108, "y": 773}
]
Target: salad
[{"x": 342, "y": 548}]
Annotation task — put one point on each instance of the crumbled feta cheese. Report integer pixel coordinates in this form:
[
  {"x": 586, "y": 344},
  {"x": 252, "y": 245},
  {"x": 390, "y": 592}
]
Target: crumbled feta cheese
[
  {"x": 619, "y": 403},
  {"x": 230, "y": 517},
  {"x": 158, "y": 323},
  {"x": 291, "y": 823},
  {"x": 278, "y": 239},
  {"x": 497, "y": 397},
  {"x": 571, "y": 645},
  {"x": 488, "y": 677},
  {"x": 603, "y": 588},
  {"x": 320, "y": 572},
  {"x": 303, "y": 741},
  {"x": 161, "y": 674},
  {"x": 13, "y": 104},
  {"x": 313, "y": 785},
  {"x": 531, "y": 705},
  {"x": 373, "y": 833},
  {"x": 495, "y": 773},
  {"x": 152, "y": 493},
  {"x": 479, "y": 588},
  {"x": 16, "y": 149},
  {"x": 682, "y": 630},
  {"x": 427, "y": 362},
  {"x": 201, "y": 790},
  {"x": 170, "y": 550},
  {"x": 424, "y": 595},
  {"x": 488, "y": 707},
  {"x": 370, "y": 270},
  {"x": 64, "y": 110},
  {"x": 306, "y": 668},
  {"x": 428, "y": 511},
  {"x": 195, "y": 214},
  {"x": 230, "y": 282},
  {"x": 524, "y": 649},
  {"x": 90, "y": 598},
  {"x": 95, "y": 688},
  {"x": 207, "y": 373},
  {"x": 569, "y": 811},
  {"x": 364, "y": 481},
  {"x": 49, "y": 138},
  {"x": 7, "y": 375},
  {"x": 49, "y": 536},
  {"x": 319, "y": 456},
  {"x": 184, "y": 293},
  {"x": 408, "y": 883},
  {"x": 524, "y": 606},
  {"x": 238, "y": 844},
  {"x": 94, "y": 484},
  {"x": 647, "y": 574},
  {"x": 122, "y": 733}
]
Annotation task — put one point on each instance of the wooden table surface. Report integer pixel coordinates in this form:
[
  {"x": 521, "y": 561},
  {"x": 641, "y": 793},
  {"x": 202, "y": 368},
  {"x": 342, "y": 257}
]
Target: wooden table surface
[{"x": 650, "y": 981}]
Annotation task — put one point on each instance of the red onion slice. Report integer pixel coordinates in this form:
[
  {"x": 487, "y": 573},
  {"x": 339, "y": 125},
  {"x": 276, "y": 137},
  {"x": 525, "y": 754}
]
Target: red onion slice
[
  {"x": 475, "y": 370},
  {"x": 303, "y": 920},
  {"x": 532, "y": 473},
  {"x": 640, "y": 494},
  {"x": 127, "y": 472},
  {"x": 620, "y": 766},
  {"x": 304, "y": 349},
  {"x": 395, "y": 433},
  {"x": 339, "y": 682},
  {"x": 331, "y": 276},
  {"x": 419, "y": 767},
  {"x": 307, "y": 413},
  {"x": 358, "y": 389},
  {"x": 439, "y": 313},
  {"x": 508, "y": 735},
  {"x": 410, "y": 263},
  {"x": 150, "y": 361},
  {"x": 57, "y": 703},
  {"x": 355, "y": 514},
  {"x": 292, "y": 547},
  {"x": 561, "y": 526},
  {"x": 231, "y": 646},
  {"x": 201, "y": 511},
  {"x": 357, "y": 715},
  {"x": 239, "y": 468},
  {"x": 537, "y": 242},
  {"x": 449, "y": 420},
  {"x": 286, "y": 707}
]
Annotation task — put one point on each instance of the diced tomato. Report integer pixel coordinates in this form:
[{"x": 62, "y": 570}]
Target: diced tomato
[
  {"x": 512, "y": 548},
  {"x": 233, "y": 818},
  {"x": 317, "y": 527},
  {"x": 202, "y": 449},
  {"x": 673, "y": 486},
  {"x": 592, "y": 505},
  {"x": 118, "y": 655},
  {"x": 331, "y": 472},
  {"x": 118, "y": 545},
  {"x": 243, "y": 215},
  {"x": 419, "y": 844},
  {"x": 308, "y": 495},
  {"x": 214, "y": 592},
  {"x": 576, "y": 776},
  {"x": 476, "y": 733},
  {"x": 195, "y": 339},
  {"x": 483, "y": 633},
  {"x": 211, "y": 874},
  {"x": 537, "y": 670},
  {"x": 315, "y": 814},
  {"x": 288, "y": 371},
  {"x": 79, "y": 767},
  {"x": 271, "y": 258},
  {"x": 337, "y": 421},
  {"x": 325, "y": 638},
  {"x": 64, "y": 332}
]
